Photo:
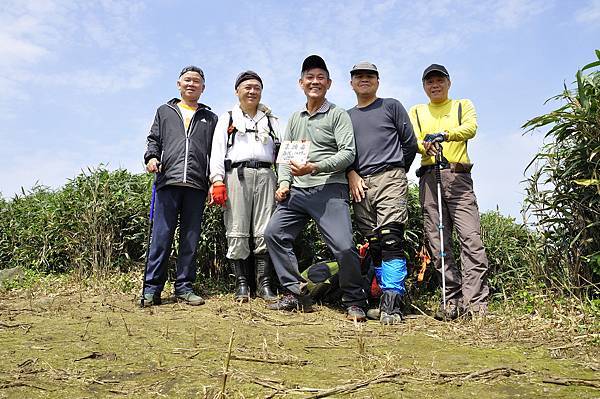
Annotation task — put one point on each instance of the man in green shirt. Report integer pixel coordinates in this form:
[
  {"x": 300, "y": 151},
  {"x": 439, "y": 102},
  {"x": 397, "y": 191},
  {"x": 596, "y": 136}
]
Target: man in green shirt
[{"x": 316, "y": 189}]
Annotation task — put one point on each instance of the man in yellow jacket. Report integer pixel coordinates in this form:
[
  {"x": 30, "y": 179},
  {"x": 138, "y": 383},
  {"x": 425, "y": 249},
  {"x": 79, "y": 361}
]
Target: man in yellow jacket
[{"x": 446, "y": 125}]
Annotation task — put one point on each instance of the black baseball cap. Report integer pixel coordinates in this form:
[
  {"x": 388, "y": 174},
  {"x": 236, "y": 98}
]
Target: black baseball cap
[
  {"x": 314, "y": 61},
  {"x": 247, "y": 75},
  {"x": 192, "y": 68},
  {"x": 435, "y": 68}
]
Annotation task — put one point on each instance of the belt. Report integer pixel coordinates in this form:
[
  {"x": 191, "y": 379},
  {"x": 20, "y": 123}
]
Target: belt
[
  {"x": 455, "y": 167},
  {"x": 387, "y": 168},
  {"x": 251, "y": 164}
]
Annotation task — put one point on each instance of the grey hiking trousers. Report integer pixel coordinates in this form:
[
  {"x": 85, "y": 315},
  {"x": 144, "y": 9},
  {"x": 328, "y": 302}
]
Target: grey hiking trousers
[
  {"x": 328, "y": 206},
  {"x": 460, "y": 211},
  {"x": 248, "y": 209}
]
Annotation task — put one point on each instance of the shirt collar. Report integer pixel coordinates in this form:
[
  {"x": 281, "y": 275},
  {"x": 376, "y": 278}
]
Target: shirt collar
[
  {"x": 322, "y": 109},
  {"x": 260, "y": 112}
]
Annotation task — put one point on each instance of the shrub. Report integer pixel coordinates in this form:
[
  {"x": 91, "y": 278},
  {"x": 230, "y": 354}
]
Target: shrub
[
  {"x": 563, "y": 191},
  {"x": 97, "y": 224}
]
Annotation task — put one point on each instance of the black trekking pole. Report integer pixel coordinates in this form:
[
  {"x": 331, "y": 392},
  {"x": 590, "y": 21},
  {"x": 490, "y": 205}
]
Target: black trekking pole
[{"x": 150, "y": 226}]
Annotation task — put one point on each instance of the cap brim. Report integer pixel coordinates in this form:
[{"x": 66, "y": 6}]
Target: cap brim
[
  {"x": 438, "y": 71},
  {"x": 355, "y": 71}
]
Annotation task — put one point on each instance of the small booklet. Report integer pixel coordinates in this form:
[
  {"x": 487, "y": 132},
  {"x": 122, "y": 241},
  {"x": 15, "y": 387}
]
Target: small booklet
[{"x": 293, "y": 151}]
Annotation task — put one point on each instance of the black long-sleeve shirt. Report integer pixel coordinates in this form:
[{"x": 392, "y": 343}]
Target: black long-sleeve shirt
[{"x": 384, "y": 137}]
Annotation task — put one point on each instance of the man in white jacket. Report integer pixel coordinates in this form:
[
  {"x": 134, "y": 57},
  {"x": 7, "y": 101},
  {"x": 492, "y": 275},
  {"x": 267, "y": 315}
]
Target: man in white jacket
[{"x": 243, "y": 180}]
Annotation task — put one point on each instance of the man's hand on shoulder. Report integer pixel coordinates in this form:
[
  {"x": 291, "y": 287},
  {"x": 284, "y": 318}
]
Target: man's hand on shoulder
[
  {"x": 357, "y": 186},
  {"x": 299, "y": 169}
]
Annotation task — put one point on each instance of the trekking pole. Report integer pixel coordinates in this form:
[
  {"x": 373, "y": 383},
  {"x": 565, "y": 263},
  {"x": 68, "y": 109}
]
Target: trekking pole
[
  {"x": 150, "y": 225},
  {"x": 438, "y": 179}
]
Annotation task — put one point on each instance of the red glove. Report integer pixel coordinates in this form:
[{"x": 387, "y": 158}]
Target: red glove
[{"x": 219, "y": 194}]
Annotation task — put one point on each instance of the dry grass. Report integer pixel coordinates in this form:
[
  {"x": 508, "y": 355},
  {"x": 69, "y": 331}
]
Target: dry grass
[{"x": 79, "y": 342}]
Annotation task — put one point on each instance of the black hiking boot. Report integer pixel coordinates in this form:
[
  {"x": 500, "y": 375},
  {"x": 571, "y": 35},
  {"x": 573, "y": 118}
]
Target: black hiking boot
[
  {"x": 389, "y": 307},
  {"x": 264, "y": 271},
  {"x": 292, "y": 302},
  {"x": 242, "y": 290},
  {"x": 451, "y": 313}
]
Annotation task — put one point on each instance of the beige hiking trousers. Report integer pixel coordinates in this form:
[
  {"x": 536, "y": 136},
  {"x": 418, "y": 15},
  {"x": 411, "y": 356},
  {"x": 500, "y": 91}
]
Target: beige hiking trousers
[
  {"x": 385, "y": 201},
  {"x": 248, "y": 209},
  {"x": 466, "y": 287}
]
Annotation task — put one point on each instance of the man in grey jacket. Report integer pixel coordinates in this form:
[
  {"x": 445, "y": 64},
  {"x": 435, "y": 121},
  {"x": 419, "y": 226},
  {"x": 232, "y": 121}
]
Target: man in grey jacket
[
  {"x": 316, "y": 189},
  {"x": 178, "y": 150}
]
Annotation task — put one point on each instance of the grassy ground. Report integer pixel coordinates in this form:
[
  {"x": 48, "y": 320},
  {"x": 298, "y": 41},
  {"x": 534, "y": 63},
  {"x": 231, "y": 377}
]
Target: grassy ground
[{"x": 58, "y": 342}]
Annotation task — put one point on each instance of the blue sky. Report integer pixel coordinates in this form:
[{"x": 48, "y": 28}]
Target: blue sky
[{"x": 80, "y": 80}]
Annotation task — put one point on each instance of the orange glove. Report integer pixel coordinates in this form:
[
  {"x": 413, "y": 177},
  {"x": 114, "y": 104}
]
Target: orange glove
[{"x": 218, "y": 194}]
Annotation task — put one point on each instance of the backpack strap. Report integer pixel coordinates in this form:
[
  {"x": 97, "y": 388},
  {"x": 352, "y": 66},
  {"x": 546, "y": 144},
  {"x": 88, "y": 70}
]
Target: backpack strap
[
  {"x": 459, "y": 113},
  {"x": 231, "y": 131},
  {"x": 418, "y": 120},
  {"x": 272, "y": 131}
]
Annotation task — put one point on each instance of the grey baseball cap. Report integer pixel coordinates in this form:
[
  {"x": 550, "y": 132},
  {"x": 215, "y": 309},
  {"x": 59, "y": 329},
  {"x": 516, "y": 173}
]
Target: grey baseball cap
[{"x": 365, "y": 66}]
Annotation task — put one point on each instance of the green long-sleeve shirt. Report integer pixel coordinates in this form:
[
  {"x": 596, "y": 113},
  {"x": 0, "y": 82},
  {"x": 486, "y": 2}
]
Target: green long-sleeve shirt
[{"x": 332, "y": 146}]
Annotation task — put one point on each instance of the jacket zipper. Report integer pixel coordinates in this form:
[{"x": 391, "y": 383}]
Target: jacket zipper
[{"x": 187, "y": 139}]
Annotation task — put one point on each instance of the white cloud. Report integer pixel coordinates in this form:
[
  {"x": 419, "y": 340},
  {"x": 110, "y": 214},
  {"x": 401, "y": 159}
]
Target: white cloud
[
  {"x": 14, "y": 50},
  {"x": 512, "y": 13},
  {"x": 36, "y": 37},
  {"x": 115, "y": 78},
  {"x": 589, "y": 14}
]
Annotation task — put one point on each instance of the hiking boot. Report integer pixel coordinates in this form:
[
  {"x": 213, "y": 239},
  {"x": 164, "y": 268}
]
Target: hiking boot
[
  {"x": 151, "y": 300},
  {"x": 264, "y": 270},
  {"x": 476, "y": 310},
  {"x": 389, "y": 306},
  {"x": 240, "y": 270},
  {"x": 373, "y": 314},
  {"x": 356, "y": 313},
  {"x": 291, "y": 302},
  {"x": 451, "y": 313},
  {"x": 390, "y": 319},
  {"x": 190, "y": 298}
]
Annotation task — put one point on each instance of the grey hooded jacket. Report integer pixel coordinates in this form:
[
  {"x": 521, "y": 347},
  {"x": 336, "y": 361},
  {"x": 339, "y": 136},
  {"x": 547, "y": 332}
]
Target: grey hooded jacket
[{"x": 184, "y": 155}]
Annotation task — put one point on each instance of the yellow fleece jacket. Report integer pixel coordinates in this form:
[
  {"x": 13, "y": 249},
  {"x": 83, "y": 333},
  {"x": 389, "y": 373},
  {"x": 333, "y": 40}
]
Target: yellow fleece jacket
[{"x": 437, "y": 118}]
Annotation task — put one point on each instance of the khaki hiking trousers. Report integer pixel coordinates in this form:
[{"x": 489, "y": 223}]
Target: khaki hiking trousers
[{"x": 467, "y": 287}]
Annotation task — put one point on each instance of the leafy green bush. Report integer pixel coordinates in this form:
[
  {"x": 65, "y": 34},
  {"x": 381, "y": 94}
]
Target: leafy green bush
[
  {"x": 97, "y": 224},
  {"x": 512, "y": 251},
  {"x": 563, "y": 191},
  {"x": 94, "y": 224}
]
